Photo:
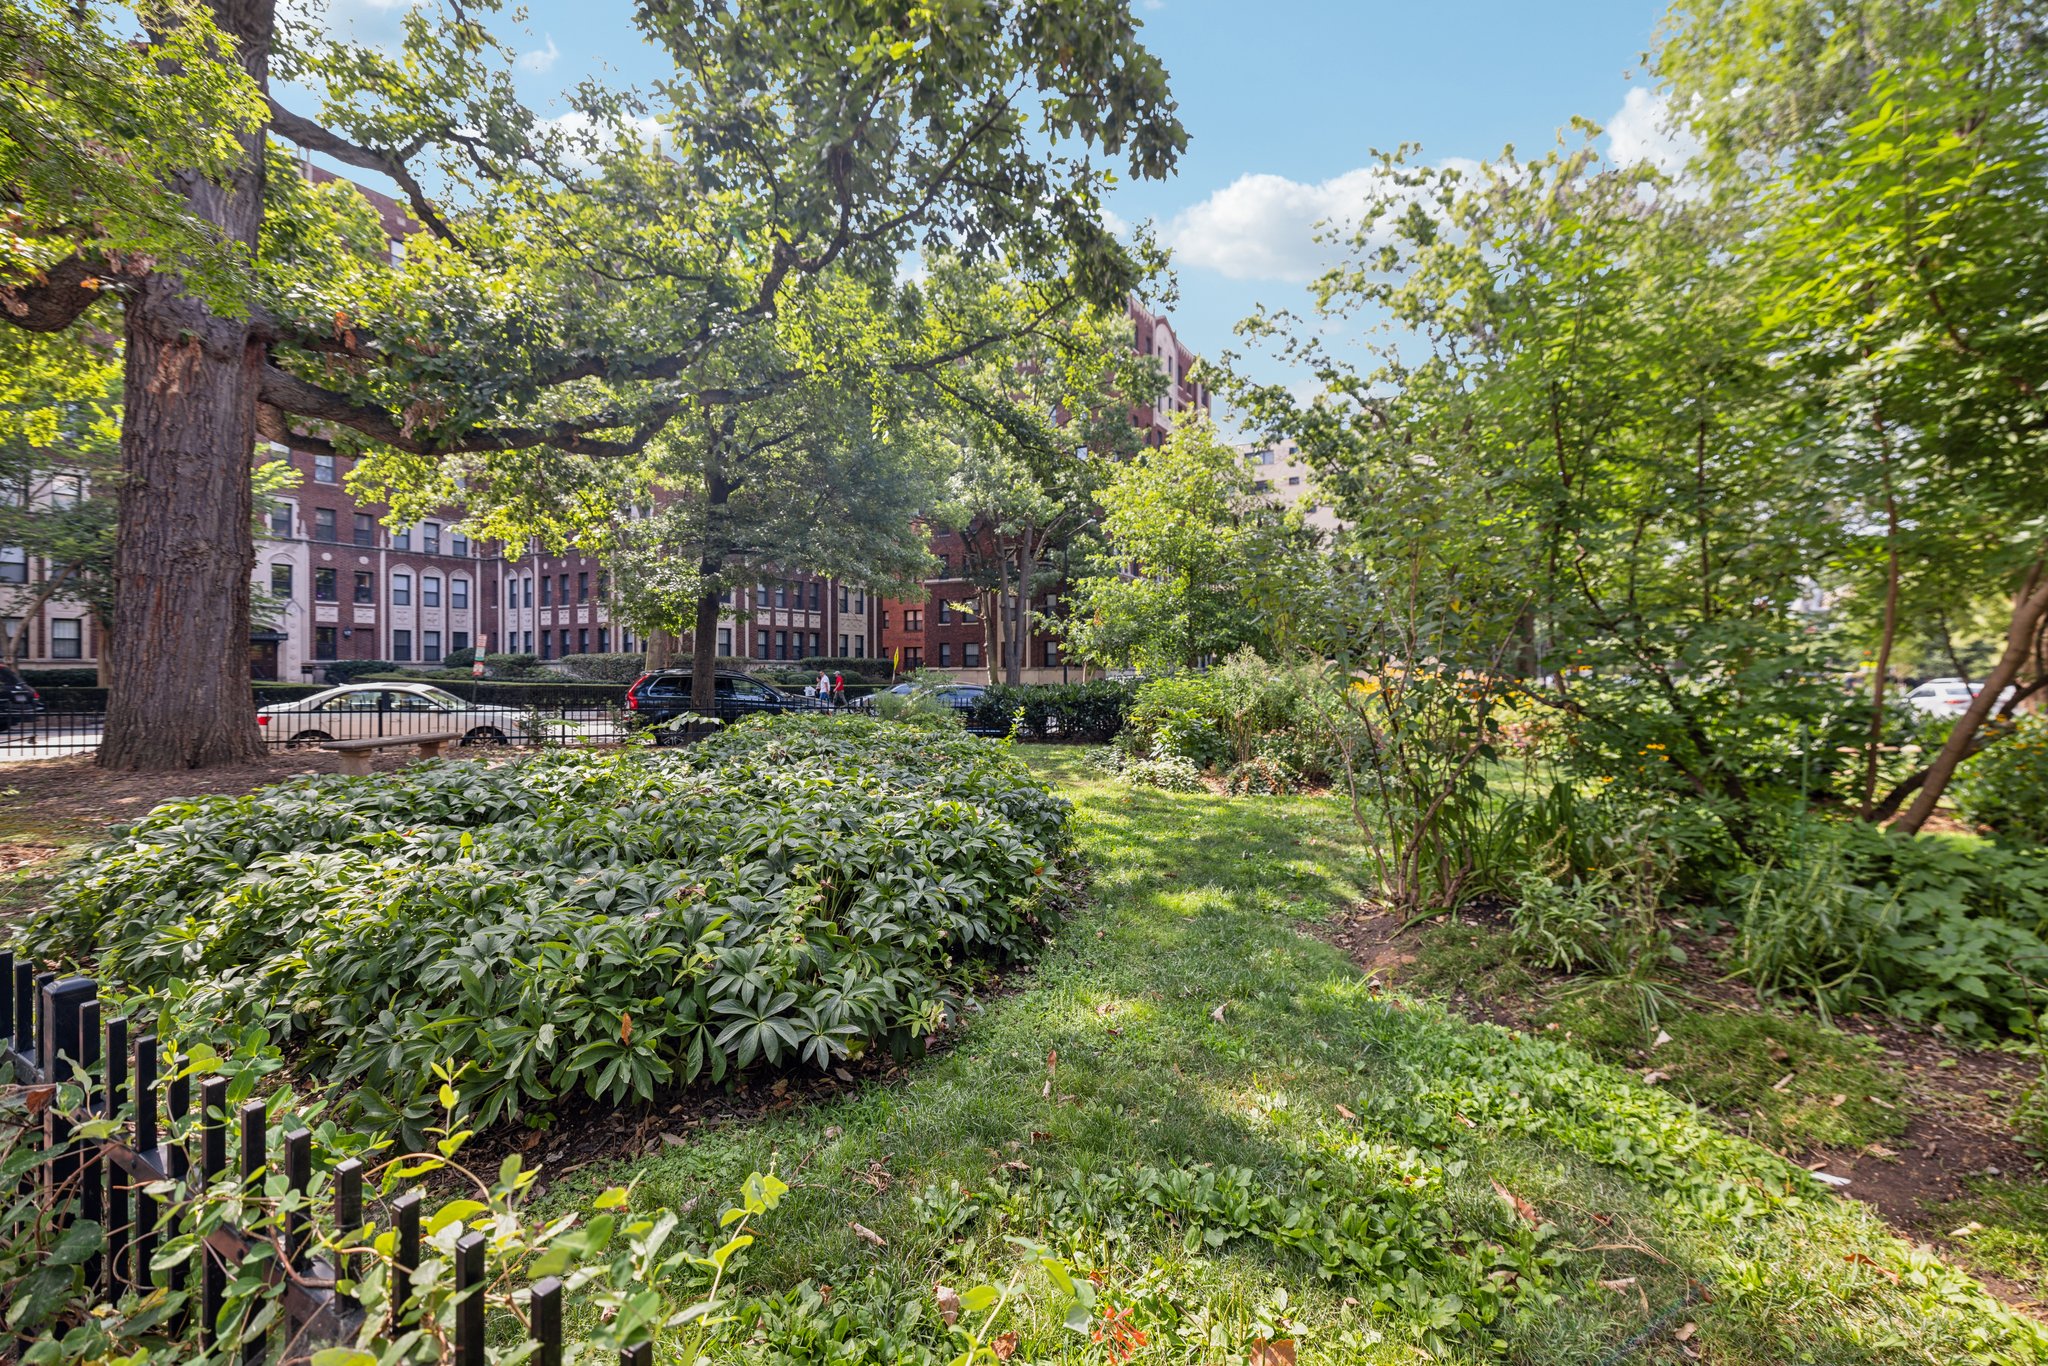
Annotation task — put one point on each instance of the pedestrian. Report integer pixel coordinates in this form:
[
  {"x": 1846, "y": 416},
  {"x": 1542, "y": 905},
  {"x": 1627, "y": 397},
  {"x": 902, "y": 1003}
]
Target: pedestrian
[
  {"x": 839, "y": 690},
  {"x": 824, "y": 688}
]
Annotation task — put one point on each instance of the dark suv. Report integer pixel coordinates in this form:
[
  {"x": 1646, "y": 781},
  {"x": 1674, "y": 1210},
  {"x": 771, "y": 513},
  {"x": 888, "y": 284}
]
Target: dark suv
[
  {"x": 664, "y": 695},
  {"x": 18, "y": 701}
]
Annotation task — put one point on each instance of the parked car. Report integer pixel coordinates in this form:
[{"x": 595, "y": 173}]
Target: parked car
[
  {"x": 1946, "y": 696},
  {"x": 18, "y": 701},
  {"x": 664, "y": 695},
  {"x": 365, "y": 711},
  {"x": 961, "y": 697}
]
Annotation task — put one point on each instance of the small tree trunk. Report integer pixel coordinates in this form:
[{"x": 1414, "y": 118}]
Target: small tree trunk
[
  {"x": 661, "y": 648},
  {"x": 704, "y": 654},
  {"x": 2029, "y": 606},
  {"x": 106, "y": 651}
]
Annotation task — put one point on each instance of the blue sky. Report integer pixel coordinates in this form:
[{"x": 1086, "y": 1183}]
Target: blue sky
[{"x": 1283, "y": 99}]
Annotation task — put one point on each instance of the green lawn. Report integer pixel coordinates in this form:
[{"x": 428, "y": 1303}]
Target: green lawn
[{"x": 1218, "y": 1117}]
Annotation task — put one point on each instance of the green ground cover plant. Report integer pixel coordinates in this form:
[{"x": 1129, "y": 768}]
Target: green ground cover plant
[
  {"x": 2006, "y": 786},
  {"x": 1238, "y": 1141},
  {"x": 789, "y": 893}
]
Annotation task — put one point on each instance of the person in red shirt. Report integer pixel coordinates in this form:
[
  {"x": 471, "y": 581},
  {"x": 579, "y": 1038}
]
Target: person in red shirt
[{"x": 838, "y": 689}]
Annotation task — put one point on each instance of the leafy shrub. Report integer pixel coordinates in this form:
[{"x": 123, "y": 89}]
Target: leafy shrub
[
  {"x": 514, "y": 666},
  {"x": 60, "y": 678},
  {"x": 1261, "y": 777},
  {"x": 1084, "y": 713},
  {"x": 1177, "y": 714},
  {"x": 2006, "y": 786},
  {"x": 793, "y": 890},
  {"x": 1921, "y": 926},
  {"x": 1556, "y": 925},
  {"x": 605, "y": 668},
  {"x": 459, "y": 659},
  {"x": 348, "y": 670},
  {"x": 1169, "y": 771}
]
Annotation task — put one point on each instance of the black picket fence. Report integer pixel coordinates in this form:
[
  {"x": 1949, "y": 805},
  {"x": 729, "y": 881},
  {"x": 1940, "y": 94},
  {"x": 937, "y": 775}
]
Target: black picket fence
[
  {"x": 51, "y": 1033},
  {"x": 53, "y": 734}
]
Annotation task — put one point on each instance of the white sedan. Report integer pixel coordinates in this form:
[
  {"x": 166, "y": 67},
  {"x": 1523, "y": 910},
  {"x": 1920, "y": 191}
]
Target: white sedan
[
  {"x": 1947, "y": 696},
  {"x": 367, "y": 711}
]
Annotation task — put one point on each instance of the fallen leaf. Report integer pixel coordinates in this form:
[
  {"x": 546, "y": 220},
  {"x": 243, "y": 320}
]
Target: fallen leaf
[
  {"x": 780, "y": 1088},
  {"x": 833, "y": 1131},
  {"x": 842, "y": 1074},
  {"x": 865, "y": 1232},
  {"x": 1464, "y": 1121},
  {"x": 1836, "y": 1102},
  {"x": 1622, "y": 1284},
  {"x": 1014, "y": 1166},
  {"x": 1004, "y": 1345},
  {"x": 1040, "y": 1136},
  {"x": 1684, "y": 1334},
  {"x": 949, "y": 1302},
  {"x": 626, "y": 1027},
  {"x": 1346, "y": 1113},
  {"x": 1217, "y": 1013},
  {"x": 1858, "y": 1259},
  {"x": 673, "y": 1140},
  {"x": 1266, "y": 1353},
  {"x": 1523, "y": 1209},
  {"x": 1966, "y": 1230},
  {"x": 1878, "y": 1150},
  {"x": 1661, "y": 1039},
  {"x": 1782, "y": 1082},
  {"x": 1653, "y": 1076}
]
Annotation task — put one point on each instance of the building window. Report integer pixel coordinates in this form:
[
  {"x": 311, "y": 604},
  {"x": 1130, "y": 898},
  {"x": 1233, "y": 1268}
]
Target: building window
[
  {"x": 458, "y": 642},
  {"x": 725, "y": 641},
  {"x": 529, "y": 643},
  {"x": 402, "y": 540},
  {"x": 401, "y": 646},
  {"x": 913, "y": 658},
  {"x": 913, "y": 618},
  {"x": 565, "y": 644},
  {"x": 323, "y": 524},
  {"x": 365, "y": 596},
  {"x": 281, "y": 520},
  {"x": 760, "y": 644},
  {"x": 13, "y": 564},
  {"x": 970, "y": 654},
  {"x": 458, "y": 594},
  {"x": 562, "y": 595},
  {"x": 604, "y": 641},
  {"x": 945, "y": 654},
  {"x": 458, "y": 545},
  {"x": 1294, "y": 481},
  {"x": 583, "y": 586},
  {"x": 430, "y": 538},
  {"x": 323, "y": 469},
  {"x": 280, "y": 581},
  {"x": 814, "y": 645},
  {"x": 842, "y": 597},
  {"x": 327, "y": 642},
  {"x": 842, "y": 647},
  {"x": 860, "y": 601},
  {"x": 366, "y": 529},
  {"x": 782, "y": 595},
  {"x": 604, "y": 584},
  {"x": 884, "y": 619},
  {"x": 323, "y": 586},
  {"x": 860, "y": 647},
  {"x": 512, "y": 594},
  {"x": 430, "y": 590},
  {"x": 401, "y": 590},
  {"x": 1263, "y": 485},
  {"x": 529, "y": 590},
  {"x": 547, "y": 591},
  {"x": 782, "y": 645},
  {"x": 945, "y": 612},
  {"x": 1052, "y": 654},
  {"x": 67, "y": 638},
  {"x": 430, "y": 646},
  {"x": 583, "y": 640},
  {"x": 817, "y": 595}
]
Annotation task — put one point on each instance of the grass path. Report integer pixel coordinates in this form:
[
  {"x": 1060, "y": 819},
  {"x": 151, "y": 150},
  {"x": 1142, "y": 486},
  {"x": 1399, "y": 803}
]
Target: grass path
[{"x": 1223, "y": 1121}]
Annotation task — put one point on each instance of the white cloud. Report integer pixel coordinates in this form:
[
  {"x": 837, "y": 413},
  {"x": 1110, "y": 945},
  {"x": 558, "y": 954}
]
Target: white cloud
[
  {"x": 1266, "y": 227},
  {"x": 578, "y": 125},
  {"x": 1117, "y": 224},
  {"x": 1642, "y": 130},
  {"x": 541, "y": 59}
]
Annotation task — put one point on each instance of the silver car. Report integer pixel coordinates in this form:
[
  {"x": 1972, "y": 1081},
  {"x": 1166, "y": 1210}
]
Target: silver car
[{"x": 366, "y": 711}]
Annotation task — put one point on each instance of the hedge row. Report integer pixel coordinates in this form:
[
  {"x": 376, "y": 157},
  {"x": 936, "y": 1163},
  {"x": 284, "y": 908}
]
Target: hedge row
[{"x": 1075, "y": 713}]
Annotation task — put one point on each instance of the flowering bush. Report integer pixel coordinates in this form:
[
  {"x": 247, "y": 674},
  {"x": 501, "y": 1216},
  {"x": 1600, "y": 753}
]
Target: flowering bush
[{"x": 795, "y": 890}]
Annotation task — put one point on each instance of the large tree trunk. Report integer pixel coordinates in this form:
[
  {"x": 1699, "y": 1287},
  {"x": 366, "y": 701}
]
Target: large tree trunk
[
  {"x": 661, "y": 649},
  {"x": 183, "y": 552},
  {"x": 704, "y": 654},
  {"x": 2029, "y": 606}
]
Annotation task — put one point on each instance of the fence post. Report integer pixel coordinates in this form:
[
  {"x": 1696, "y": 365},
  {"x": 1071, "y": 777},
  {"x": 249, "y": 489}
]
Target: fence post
[
  {"x": 545, "y": 1321},
  {"x": 84, "y": 1047},
  {"x": 145, "y": 1146},
  {"x": 117, "y": 1180},
  {"x": 213, "y": 1160},
  {"x": 406, "y": 1209},
  {"x": 469, "y": 1309},
  {"x": 254, "y": 1117},
  {"x": 63, "y": 1013}
]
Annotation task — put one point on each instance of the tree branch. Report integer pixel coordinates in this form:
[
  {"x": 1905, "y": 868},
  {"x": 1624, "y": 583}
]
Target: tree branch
[
  {"x": 307, "y": 133},
  {"x": 66, "y": 290}
]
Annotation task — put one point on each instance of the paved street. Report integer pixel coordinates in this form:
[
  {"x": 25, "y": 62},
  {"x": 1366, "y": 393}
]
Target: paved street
[{"x": 51, "y": 737}]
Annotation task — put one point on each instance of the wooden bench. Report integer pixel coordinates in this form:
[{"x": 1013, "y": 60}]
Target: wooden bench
[{"x": 356, "y": 754}]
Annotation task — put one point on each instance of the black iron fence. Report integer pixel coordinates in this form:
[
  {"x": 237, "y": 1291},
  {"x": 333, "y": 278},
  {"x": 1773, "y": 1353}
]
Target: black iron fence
[
  {"x": 128, "y": 1165},
  {"x": 54, "y": 733}
]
